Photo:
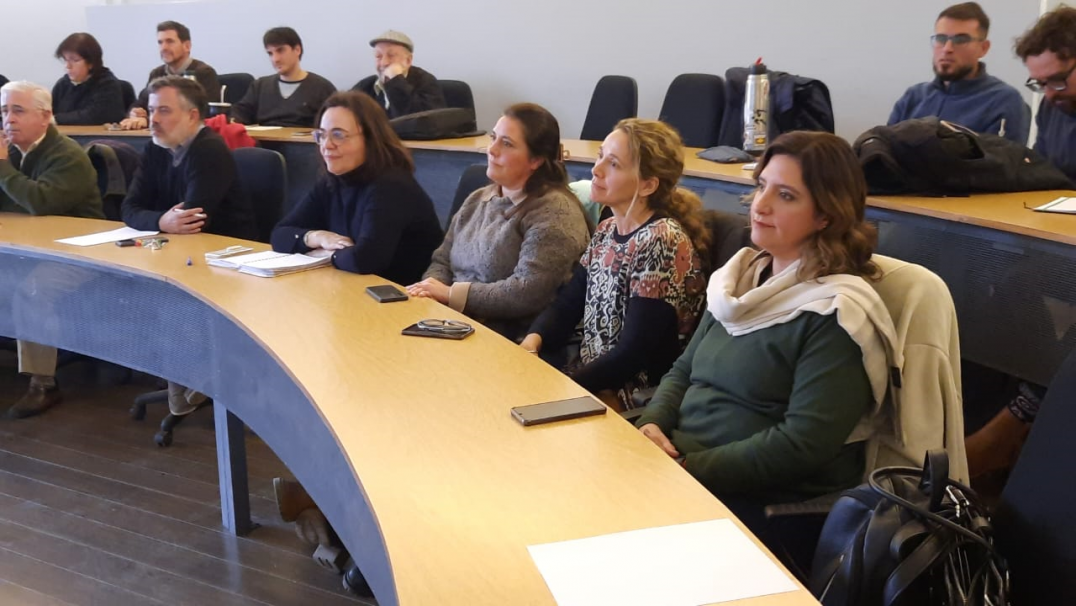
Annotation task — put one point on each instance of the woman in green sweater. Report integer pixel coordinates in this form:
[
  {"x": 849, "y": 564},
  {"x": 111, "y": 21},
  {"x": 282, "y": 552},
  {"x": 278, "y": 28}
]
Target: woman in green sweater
[{"x": 776, "y": 391}]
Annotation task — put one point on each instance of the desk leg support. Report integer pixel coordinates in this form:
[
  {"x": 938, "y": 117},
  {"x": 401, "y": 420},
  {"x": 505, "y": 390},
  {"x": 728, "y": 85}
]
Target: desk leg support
[{"x": 232, "y": 468}]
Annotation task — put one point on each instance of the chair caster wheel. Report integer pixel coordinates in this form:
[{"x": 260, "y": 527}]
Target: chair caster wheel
[
  {"x": 163, "y": 438},
  {"x": 138, "y": 413}
]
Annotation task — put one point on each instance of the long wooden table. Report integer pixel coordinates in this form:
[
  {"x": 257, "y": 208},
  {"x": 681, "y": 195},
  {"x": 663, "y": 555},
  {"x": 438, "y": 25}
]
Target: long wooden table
[
  {"x": 407, "y": 444},
  {"x": 1009, "y": 268}
]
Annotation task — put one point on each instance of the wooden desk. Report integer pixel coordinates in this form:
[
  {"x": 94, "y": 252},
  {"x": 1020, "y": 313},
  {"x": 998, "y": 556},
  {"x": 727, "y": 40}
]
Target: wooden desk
[{"x": 406, "y": 443}]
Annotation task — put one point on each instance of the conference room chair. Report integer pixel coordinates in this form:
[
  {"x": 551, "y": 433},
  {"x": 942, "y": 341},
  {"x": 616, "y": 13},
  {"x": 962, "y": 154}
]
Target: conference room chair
[
  {"x": 614, "y": 98},
  {"x": 914, "y": 297},
  {"x": 473, "y": 177},
  {"x": 694, "y": 104},
  {"x": 264, "y": 175},
  {"x": 457, "y": 94},
  {"x": 1034, "y": 519},
  {"x": 116, "y": 163},
  {"x": 237, "y": 84},
  {"x": 129, "y": 96}
]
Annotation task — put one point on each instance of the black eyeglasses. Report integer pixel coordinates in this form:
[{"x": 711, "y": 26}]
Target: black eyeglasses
[
  {"x": 940, "y": 40},
  {"x": 1056, "y": 83}
]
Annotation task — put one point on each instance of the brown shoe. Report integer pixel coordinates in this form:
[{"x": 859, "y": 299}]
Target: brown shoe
[
  {"x": 37, "y": 400},
  {"x": 291, "y": 499}
]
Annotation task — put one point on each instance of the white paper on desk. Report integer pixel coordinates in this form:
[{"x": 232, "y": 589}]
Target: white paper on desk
[
  {"x": 1060, "y": 205},
  {"x": 255, "y": 128},
  {"x": 123, "y": 233},
  {"x": 684, "y": 565}
]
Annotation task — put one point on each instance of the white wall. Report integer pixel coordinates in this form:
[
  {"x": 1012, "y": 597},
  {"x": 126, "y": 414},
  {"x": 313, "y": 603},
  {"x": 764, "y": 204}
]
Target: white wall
[
  {"x": 551, "y": 52},
  {"x": 32, "y": 31}
]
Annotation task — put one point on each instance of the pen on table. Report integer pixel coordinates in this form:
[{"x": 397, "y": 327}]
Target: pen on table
[{"x": 189, "y": 262}]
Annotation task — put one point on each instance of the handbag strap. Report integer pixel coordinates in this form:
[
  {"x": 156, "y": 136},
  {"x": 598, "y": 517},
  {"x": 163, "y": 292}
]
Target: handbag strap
[
  {"x": 935, "y": 477},
  {"x": 912, "y": 568}
]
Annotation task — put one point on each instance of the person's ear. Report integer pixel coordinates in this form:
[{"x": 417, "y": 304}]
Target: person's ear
[{"x": 648, "y": 186}]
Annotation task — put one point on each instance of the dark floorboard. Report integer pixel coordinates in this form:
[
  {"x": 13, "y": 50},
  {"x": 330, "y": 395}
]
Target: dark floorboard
[{"x": 93, "y": 512}]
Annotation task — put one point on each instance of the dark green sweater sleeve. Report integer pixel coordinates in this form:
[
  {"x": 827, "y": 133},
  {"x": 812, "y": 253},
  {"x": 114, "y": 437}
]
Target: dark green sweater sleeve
[{"x": 831, "y": 392}]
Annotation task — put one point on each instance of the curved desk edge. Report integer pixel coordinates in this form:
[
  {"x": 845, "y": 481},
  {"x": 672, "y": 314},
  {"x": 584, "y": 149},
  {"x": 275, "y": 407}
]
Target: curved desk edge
[{"x": 156, "y": 325}]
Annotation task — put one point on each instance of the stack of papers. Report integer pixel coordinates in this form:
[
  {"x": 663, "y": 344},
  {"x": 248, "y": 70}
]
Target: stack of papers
[
  {"x": 1060, "y": 205},
  {"x": 115, "y": 235},
  {"x": 685, "y": 565},
  {"x": 269, "y": 264}
]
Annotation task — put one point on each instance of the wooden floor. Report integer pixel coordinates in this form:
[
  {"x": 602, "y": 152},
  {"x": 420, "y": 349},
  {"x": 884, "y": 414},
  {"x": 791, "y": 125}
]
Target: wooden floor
[{"x": 92, "y": 512}]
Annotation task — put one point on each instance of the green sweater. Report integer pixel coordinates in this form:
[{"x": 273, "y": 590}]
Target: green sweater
[
  {"x": 767, "y": 413},
  {"x": 55, "y": 178}
]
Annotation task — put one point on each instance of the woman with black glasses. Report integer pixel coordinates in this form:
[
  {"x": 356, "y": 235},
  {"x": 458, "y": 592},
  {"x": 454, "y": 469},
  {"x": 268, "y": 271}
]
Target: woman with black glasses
[{"x": 368, "y": 212}]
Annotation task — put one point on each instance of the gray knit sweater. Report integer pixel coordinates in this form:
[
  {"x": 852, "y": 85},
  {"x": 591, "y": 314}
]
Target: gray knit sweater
[{"x": 505, "y": 262}]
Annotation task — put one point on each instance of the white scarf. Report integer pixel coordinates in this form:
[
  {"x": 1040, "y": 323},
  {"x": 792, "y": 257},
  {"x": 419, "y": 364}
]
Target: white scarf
[{"x": 733, "y": 298}]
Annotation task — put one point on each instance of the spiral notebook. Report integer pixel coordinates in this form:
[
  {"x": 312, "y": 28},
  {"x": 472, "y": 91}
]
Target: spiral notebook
[{"x": 269, "y": 264}]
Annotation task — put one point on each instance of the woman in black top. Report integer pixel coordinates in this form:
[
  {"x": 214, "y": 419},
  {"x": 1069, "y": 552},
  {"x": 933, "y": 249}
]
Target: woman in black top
[
  {"x": 89, "y": 93},
  {"x": 368, "y": 212}
]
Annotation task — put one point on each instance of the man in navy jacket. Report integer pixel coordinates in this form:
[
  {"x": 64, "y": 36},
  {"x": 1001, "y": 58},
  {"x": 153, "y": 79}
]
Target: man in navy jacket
[{"x": 962, "y": 91}]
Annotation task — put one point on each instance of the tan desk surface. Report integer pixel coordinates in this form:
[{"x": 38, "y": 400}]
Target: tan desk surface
[
  {"x": 1003, "y": 212},
  {"x": 459, "y": 489}
]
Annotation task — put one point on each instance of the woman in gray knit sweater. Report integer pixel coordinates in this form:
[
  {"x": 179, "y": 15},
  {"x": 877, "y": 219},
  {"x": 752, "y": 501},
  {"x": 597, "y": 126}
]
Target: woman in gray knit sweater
[{"x": 514, "y": 242}]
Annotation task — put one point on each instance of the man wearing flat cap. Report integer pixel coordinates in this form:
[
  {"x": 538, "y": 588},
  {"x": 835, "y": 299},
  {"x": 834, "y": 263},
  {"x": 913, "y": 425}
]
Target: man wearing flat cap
[{"x": 400, "y": 87}]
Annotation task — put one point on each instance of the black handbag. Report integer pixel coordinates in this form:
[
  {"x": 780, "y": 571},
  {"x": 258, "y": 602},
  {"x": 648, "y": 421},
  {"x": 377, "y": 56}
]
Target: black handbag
[
  {"x": 443, "y": 123},
  {"x": 909, "y": 537}
]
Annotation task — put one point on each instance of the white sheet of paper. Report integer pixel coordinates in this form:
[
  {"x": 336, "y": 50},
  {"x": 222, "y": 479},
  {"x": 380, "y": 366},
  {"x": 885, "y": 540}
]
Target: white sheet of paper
[
  {"x": 684, "y": 565},
  {"x": 256, "y": 128},
  {"x": 123, "y": 233},
  {"x": 1060, "y": 205}
]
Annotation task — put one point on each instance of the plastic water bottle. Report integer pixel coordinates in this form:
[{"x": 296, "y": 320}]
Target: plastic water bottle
[{"x": 756, "y": 109}]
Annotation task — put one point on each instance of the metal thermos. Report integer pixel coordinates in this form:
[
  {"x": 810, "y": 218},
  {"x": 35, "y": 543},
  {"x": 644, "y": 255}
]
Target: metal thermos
[{"x": 756, "y": 109}]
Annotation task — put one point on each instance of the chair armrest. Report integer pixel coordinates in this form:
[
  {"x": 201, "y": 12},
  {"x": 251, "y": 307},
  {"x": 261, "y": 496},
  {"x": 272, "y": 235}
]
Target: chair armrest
[
  {"x": 632, "y": 415},
  {"x": 818, "y": 506}
]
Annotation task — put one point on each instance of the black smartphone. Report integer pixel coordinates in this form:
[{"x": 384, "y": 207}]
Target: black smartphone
[
  {"x": 416, "y": 330},
  {"x": 386, "y": 293},
  {"x": 561, "y": 410},
  {"x": 125, "y": 243}
]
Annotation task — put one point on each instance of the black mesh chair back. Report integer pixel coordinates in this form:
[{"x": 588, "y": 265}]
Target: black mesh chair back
[
  {"x": 265, "y": 180},
  {"x": 457, "y": 94},
  {"x": 614, "y": 98},
  {"x": 129, "y": 96},
  {"x": 237, "y": 84},
  {"x": 694, "y": 105},
  {"x": 473, "y": 177}
]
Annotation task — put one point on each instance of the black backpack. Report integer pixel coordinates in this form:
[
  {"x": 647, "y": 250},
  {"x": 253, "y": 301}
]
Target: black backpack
[
  {"x": 909, "y": 537},
  {"x": 932, "y": 157},
  {"x": 796, "y": 103}
]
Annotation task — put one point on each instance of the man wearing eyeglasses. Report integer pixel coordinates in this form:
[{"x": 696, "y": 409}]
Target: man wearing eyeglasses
[
  {"x": 1048, "y": 50},
  {"x": 398, "y": 86},
  {"x": 962, "y": 91}
]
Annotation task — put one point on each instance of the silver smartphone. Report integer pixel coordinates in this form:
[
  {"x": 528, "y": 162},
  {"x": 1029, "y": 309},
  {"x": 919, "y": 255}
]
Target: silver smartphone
[{"x": 561, "y": 410}]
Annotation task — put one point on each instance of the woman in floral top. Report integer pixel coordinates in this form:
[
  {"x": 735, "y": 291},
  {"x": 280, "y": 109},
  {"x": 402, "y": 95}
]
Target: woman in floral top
[{"x": 640, "y": 285}]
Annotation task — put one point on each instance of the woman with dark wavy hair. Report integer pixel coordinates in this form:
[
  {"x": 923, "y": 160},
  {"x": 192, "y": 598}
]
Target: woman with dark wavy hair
[
  {"x": 773, "y": 397},
  {"x": 513, "y": 242}
]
